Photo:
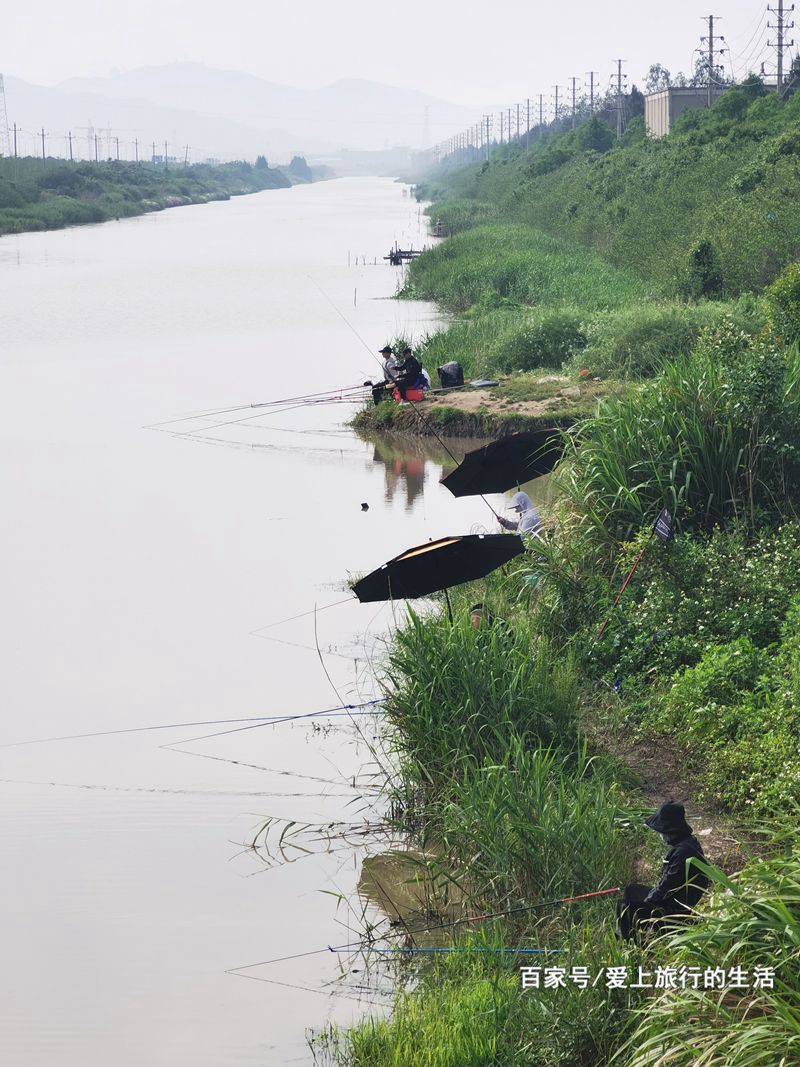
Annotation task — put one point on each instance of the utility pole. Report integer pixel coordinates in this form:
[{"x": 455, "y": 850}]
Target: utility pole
[
  {"x": 69, "y": 136},
  {"x": 166, "y": 164},
  {"x": 541, "y": 113},
  {"x": 556, "y": 105},
  {"x": 711, "y": 52},
  {"x": 528, "y": 126},
  {"x": 591, "y": 91},
  {"x": 15, "y": 140},
  {"x": 117, "y": 140},
  {"x": 501, "y": 127},
  {"x": 509, "y": 125},
  {"x": 186, "y": 157},
  {"x": 488, "y": 136},
  {"x": 517, "y": 123},
  {"x": 154, "y": 153},
  {"x": 136, "y": 148},
  {"x": 620, "y": 124},
  {"x": 44, "y": 155},
  {"x": 574, "y": 100},
  {"x": 5, "y": 147},
  {"x": 781, "y": 44},
  {"x": 96, "y": 156}
]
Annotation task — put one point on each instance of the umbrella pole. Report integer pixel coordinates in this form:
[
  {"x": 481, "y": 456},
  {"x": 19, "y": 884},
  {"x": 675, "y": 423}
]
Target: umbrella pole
[{"x": 449, "y": 606}]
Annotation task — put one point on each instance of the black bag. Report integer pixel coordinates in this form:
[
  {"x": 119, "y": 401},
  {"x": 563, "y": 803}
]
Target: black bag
[{"x": 450, "y": 375}]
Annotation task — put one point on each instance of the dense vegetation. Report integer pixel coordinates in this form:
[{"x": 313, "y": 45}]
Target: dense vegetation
[
  {"x": 50, "y": 194},
  {"x": 659, "y": 263}
]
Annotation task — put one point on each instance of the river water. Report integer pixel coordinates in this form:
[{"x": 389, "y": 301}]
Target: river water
[{"x": 143, "y": 570}]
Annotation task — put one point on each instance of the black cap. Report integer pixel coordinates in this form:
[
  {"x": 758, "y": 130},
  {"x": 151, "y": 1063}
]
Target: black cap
[
  {"x": 386, "y": 348},
  {"x": 406, "y": 349},
  {"x": 669, "y": 818}
]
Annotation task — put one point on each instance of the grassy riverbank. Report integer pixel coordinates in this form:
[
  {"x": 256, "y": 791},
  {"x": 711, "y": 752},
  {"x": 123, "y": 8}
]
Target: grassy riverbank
[
  {"x": 37, "y": 195},
  {"x": 496, "y": 773},
  {"x": 517, "y": 748}
]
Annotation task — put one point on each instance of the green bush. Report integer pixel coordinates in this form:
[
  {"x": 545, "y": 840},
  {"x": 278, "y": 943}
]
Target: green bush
[
  {"x": 456, "y": 696},
  {"x": 547, "y": 340},
  {"x": 699, "y": 592},
  {"x": 784, "y": 303},
  {"x": 714, "y": 438}
]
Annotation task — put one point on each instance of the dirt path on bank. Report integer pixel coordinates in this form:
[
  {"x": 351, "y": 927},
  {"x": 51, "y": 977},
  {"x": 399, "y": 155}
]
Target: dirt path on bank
[
  {"x": 660, "y": 769},
  {"x": 496, "y": 402}
]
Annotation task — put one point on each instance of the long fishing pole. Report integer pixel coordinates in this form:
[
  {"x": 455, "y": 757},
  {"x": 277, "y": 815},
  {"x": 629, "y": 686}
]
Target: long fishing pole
[
  {"x": 430, "y": 929},
  {"x": 213, "y": 412},
  {"x": 345, "y": 320},
  {"x": 344, "y": 709},
  {"x": 432, "y": 429},
  {"x": 258, "y": 720}
]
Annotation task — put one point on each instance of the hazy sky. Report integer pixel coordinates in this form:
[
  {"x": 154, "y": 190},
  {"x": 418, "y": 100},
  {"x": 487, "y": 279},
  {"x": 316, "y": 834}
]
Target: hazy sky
[{"x": 480, "y": 55}]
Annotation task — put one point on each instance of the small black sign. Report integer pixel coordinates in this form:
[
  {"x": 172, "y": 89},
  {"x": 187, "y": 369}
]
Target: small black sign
[{"x": 663, "y": 526}]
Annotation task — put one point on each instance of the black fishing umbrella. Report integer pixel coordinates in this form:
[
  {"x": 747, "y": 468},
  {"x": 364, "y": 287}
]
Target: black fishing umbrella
[
  {"x": 503, "y": 464},
  {"x": 438, "y": 565}
]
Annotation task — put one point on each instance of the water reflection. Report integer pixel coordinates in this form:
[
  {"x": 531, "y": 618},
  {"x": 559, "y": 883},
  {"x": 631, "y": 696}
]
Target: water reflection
[{"x": 407, "y": 462}]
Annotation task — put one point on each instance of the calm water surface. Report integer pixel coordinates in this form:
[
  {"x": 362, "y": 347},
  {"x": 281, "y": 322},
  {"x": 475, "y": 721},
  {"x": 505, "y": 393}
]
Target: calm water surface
[{"x": 142, "y": 573}]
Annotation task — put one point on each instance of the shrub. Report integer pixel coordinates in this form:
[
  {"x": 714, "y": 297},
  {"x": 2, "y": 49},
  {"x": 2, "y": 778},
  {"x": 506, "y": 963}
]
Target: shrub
[
  {"x": 713, "y": 438},
  {"x": 456, "y": 695},
  {"x": 784, "y": 303}
]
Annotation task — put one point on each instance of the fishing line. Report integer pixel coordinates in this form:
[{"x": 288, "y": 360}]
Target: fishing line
[
  {"x": 426, "y": 422},
  {"x": 274, "y": 770},
  {"x": 161, "y": 790},
  {"x": 257, "y": 720},
  {"x": 302, "y": 615},
  {"x": 310, "y": 648},
  {"x": 345, "y": 319},
  {"x": 327, "y": 712},
  {"x": 213, "y": 412},
  {"x": 310, "y": 989},
  {"x": 133, "y": 730}
]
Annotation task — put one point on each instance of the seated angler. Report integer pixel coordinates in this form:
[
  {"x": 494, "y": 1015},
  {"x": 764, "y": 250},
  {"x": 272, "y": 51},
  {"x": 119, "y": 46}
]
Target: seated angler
[
  {"x": 409, "y": 374},
  {"x": 682, "y": 882}
]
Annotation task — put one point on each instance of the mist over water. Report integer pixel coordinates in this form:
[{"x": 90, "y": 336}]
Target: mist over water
[{"x": 142, "y": 573}]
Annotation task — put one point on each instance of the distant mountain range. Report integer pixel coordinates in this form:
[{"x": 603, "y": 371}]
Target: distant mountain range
[{"x": 228, "y": 114}]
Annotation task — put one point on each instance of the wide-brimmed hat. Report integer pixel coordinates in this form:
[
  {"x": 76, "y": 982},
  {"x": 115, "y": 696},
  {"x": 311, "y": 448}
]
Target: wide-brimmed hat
[{"x": 669, "y": 818}]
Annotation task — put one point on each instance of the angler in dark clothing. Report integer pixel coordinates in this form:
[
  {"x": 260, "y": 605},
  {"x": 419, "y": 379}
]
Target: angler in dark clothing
[
  {"x": 682, "y": 882},
  {"x": 409, "y": 375}
]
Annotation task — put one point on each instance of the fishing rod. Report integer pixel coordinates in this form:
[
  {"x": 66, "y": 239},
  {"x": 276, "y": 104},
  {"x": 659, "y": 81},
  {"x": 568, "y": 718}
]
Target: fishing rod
[
  {"x": 247, "y": 407},
  {"x": 430, "y": 929},
  {"x": 259, "y": 720},
  {"x": 342, "y": 709},
  {"x": 466, "y": 948}
]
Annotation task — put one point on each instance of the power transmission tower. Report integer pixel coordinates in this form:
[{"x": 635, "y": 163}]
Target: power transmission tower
[
  {"x": 781, "y": 44},
  {"x": 620, "y": 105},
  {"x": 5, "y": 143},
  {"x": 713, "y": 70},
  {"x": 574, "y": 100},
  {"x": 591, "y": 90}
]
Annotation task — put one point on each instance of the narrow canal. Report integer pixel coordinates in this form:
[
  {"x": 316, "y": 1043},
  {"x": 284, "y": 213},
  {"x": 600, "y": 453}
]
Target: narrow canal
[{"x": 143, "y": 573}]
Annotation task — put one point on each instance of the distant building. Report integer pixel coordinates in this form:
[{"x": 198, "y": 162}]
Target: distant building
[{"x": 662, "y": 108}]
